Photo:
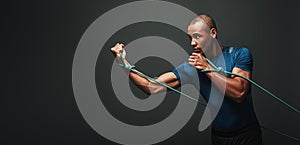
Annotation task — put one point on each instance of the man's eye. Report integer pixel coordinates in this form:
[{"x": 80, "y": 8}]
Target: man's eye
[{"x": 196, "y": 36}]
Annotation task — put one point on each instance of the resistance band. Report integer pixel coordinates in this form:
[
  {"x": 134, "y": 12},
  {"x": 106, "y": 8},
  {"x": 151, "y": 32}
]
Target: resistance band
[{"x": 221, "y": 71}]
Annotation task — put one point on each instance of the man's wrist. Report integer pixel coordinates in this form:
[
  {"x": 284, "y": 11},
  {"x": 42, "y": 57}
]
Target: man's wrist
[{"x": 209, "y": 67}]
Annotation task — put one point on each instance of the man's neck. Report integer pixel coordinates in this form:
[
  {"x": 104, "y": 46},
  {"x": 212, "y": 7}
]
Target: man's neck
[{"x": 215, "y": 51}]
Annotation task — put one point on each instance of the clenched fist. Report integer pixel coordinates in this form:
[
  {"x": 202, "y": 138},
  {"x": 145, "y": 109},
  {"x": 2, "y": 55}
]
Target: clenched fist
[
  {"x": 199, "y": 61},
  {"x": 119, "y": 47}
]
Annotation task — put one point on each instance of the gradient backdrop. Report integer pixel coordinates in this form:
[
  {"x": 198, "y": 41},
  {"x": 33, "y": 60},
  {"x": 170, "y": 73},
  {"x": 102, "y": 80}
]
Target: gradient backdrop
[{"x": 40, "y": 39}]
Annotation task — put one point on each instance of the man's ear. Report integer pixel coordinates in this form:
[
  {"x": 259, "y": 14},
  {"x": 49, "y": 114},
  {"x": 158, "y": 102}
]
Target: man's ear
[{"x": 213, "y": 32}]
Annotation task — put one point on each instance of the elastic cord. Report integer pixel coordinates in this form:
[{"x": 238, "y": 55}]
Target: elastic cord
[{"x": 221, "y": 71}]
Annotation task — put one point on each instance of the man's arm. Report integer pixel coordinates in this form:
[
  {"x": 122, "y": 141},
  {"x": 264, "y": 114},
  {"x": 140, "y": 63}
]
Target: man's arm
[
  {"x": 150, "y": 87},
  {"x": 143, "y": 83},
  {"x": 236, "y": 87}
]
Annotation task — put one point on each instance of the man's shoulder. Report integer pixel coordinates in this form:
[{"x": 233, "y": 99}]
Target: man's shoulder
[
  {"x": 234, "y": 49},
  {"x": 237, "y": 52}
]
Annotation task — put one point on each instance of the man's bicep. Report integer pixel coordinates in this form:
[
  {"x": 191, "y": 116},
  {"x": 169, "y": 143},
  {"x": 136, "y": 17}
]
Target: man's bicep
[
  {"x": 241, "y": 72},
  {"x": 169, "y": 79}
]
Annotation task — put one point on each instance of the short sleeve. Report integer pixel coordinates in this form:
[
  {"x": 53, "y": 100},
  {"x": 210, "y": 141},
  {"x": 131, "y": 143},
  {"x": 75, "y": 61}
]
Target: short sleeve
[
  {"x": 186, "y": 74},
  {"x": 244, "y": 60}
]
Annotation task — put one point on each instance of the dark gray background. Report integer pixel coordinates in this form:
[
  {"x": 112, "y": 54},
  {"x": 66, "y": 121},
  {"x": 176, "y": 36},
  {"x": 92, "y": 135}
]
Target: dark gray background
[{"x": 40, "y": 39}]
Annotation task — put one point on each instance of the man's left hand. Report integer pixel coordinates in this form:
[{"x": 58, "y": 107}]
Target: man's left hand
[{"x": 198, "y": 61}]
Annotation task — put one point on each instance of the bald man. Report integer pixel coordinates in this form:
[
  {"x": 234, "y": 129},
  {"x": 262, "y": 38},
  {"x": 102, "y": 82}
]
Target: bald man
[{"x": 236, "y": 121}]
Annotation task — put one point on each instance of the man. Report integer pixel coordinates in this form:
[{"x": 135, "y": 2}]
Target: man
[{"x": 236, "y": 122}]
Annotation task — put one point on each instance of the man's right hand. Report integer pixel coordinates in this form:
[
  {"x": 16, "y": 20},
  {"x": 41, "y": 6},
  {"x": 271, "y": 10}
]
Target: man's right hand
[
  {"x": 145, "y": 84},
  {"x": 119, "y": 47}
]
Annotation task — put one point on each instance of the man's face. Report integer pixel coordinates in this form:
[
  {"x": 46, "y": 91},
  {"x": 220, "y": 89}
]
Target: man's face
[{"x": 201, "y": 38}]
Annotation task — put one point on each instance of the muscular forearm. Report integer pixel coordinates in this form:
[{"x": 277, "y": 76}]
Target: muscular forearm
[
  {"x": 143, "y": 83},
  {"x": 236, "y": 88}
]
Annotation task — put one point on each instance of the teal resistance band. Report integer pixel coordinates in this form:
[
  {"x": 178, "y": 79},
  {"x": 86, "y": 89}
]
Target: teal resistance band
[
  {"x": 222, "y": 71},
  {"x": 219, "y": 69},
  {"x": 131, "y": 68}
]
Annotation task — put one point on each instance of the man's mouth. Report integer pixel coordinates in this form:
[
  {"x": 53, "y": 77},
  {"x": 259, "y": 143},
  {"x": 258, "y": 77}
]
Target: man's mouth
[{"x": 197, "y": 50}]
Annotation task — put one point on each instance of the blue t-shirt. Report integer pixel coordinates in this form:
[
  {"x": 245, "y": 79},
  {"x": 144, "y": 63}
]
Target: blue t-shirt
[{"x": 232, "y": 116}]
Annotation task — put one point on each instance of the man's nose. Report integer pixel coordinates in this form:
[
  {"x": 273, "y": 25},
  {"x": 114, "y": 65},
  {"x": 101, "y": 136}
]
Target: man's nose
[{"x": 193, "y": 43}]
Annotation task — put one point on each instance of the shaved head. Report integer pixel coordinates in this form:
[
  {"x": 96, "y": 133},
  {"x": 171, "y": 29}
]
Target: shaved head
[{"x": 210, "y": 22}]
